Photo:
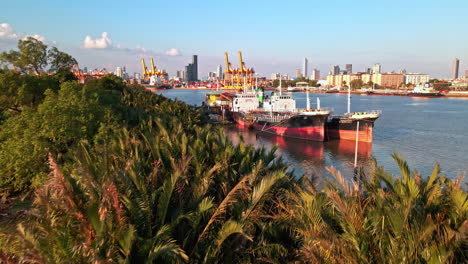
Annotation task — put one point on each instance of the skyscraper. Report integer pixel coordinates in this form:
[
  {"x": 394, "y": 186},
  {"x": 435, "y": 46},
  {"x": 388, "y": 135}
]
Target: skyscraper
[
  {"x": 304, "y": 67},
  {"x": 349, "y": 68},
  {"x": 195, "y": 68},
  {"x": 335, "y": 70},
  {"x": 219, "y": 72},
  {"x": 456, "y": 64},
  {"x": 118, "y": 72},
  {"x": 315, "y": 74},
  {"x": 376, "y": 68},
  {"x": 191, "y": 70}
]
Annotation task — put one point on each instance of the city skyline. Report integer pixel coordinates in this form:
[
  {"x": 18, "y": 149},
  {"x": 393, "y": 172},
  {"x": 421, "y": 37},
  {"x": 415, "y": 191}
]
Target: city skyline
[{"x": 120, "y": 34}]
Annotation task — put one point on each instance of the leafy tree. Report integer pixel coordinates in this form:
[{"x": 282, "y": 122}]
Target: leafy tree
[
  {"x": 60, "y": 61},
  {"x": 33, "y": 57},
  {"x": 356, "y": 84}
]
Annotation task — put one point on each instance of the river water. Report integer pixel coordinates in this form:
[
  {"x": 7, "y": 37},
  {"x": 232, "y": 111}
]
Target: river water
[{"x": 423, "y": 130}]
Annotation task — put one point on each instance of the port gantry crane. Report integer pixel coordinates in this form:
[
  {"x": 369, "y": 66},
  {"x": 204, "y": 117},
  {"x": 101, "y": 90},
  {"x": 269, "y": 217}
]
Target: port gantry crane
[
  {"x": 237, "y": 77},
  {"x": 154, "y": 71}
]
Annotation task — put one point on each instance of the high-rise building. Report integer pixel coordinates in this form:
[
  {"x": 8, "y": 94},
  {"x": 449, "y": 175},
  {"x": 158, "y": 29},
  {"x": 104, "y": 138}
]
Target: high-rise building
[
  {"x": 219, "y": 72},
  {"x": 349, "y": 68},
  {"x": 376, "y": 68},
  {"x": 85, "y": 70},
  {"x": 118, "y": 72},
  {"x": 298, "y": 73},
  {"x": 195, "y": 67},
  {"x": 368, "y": 70},
  {"x": 335, "y": 70},
  {"x": 304, "y": 67},
  {"x": 456, "y": 64},
  {"x": 315, "y": 74},
  {"x": 191, "y": 70}
]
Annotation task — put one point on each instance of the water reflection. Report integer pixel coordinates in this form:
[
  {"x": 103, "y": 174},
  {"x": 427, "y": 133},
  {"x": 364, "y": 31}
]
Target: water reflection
[{"x": 306, "y": 157}]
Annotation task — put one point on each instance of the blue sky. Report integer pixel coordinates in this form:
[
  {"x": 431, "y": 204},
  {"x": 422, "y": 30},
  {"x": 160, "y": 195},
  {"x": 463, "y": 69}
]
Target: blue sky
[{"x": 420, "y": 36}]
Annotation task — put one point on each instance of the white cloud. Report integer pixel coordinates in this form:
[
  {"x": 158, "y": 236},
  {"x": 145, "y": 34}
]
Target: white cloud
[
  {"x": 7, "y": 32},
  {"x": 173, "y": 52},
  {"x": 103, "y": 42},
  {"x": 36, "y": 36}
]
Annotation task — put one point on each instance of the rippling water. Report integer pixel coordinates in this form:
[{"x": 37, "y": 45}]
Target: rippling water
[{"x": 423, "y": 130}]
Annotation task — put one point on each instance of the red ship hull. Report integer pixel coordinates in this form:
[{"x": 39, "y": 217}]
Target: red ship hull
[
  {"x": 363, "y": 135},
  {"x": 308, "y": 133}
]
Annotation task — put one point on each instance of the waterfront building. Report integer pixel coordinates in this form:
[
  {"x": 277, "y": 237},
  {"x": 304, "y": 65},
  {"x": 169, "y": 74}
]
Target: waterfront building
[
  {"x": 455, "y": 66},
  {"x": 376, "y": 68},
  {"x": 298, "y": 73},
  {"x": 390, "y": 80},
  {"x": 349, "y": 68},
  {"x": 219, "y": 72},
  {"x": 136, "y": 75},
  {"x": 335, "y": 70},
  {"x": 315, "y": 74},
  {"x": 416, "y": 78},
  {"x": 304, "y": 67}
]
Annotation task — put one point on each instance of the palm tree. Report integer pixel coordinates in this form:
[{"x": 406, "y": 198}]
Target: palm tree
[{"x": 381, "y": 219}]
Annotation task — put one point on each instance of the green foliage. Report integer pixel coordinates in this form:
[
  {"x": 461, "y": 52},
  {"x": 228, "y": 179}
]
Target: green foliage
[
  {"x": 356, "y": 84},
  {"x": 33, "y": 57},
  {"x": 381, "y": 219}
]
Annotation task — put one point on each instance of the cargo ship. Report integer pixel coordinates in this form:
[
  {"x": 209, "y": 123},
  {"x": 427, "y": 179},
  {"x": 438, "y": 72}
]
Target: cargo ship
[
  {"x": 278, "y": 115},
  {"x": 356, "y": 126}
]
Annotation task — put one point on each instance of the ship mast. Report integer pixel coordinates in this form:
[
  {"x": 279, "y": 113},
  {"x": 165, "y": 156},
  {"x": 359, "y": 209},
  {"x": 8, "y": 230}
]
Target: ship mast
[
  {"x": 349, "y": 99},
  {"x": 308, "y": 99},
  {"x": 318, "y": 103}
]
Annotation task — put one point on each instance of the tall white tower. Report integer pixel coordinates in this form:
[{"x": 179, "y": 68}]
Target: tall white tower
[{"x": 304, "y": 67}]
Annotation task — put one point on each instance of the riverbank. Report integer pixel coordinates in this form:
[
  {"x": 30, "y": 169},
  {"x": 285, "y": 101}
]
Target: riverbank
[{"x": 451, "y": 94}]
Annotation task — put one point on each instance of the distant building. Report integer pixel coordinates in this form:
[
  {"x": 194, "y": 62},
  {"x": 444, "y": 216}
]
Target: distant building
[
  {"x": 456, "y": 64},
  {"x": 369, "y": 71},
  {"x": 219, "y": 72},
  {"x": 391, "y": 80},
  {"x": 275, "y": 76},
  {"x": 335, "y": 70},
  {"x": 136, "y": 75},
  {"x": 304, "y": 67},
  {"x": 191, "y": 70},
  {"x": 315, "y": 74},
  {"x": 118, "y": 72},
  {"x": 376, "y": 68},
  {"x": 85, "y": 70},
  {"x": 416, "y": 78},
  {"x": 298, "y": 73},
  {"x": 349, "y": 68},
  {"x": 466, "y": 74}
]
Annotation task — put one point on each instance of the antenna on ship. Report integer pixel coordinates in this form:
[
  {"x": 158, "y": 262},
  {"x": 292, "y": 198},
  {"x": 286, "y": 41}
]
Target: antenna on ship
[
  {"x": 318, "y": 103},
  {"x": 308, "y": 99}
]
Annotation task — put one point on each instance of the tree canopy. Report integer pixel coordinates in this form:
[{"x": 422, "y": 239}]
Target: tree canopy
[{"x": 34, "y": 57}]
